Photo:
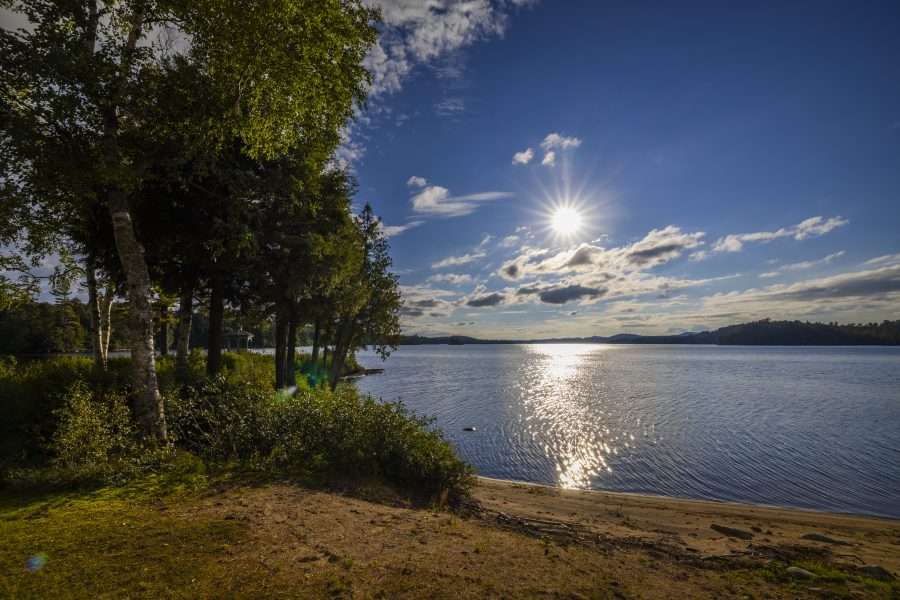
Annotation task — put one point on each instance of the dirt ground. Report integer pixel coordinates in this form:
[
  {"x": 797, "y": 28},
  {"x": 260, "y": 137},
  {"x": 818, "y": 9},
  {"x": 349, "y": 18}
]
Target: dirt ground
[
  {"x": 523, "y": 541},
  {"x": 511, "y": 541}
]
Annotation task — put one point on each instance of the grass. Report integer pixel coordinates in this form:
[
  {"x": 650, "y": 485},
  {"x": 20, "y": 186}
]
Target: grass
[
  {"x": 835, "y": 580},
  {"x": 123, "y": 539}
]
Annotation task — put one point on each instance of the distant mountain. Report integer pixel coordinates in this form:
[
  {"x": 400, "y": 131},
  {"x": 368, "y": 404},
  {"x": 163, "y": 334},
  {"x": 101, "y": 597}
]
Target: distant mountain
[{"x": 757, "y": 333}]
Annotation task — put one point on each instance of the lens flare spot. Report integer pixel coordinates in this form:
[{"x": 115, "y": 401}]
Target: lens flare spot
[{"x": 36, "y": 562}]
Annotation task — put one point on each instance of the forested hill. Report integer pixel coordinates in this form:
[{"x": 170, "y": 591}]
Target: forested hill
[{"x": 757, "y": 333}]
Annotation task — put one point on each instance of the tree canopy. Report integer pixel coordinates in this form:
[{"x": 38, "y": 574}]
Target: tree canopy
[{"x": 183, "y": 151}]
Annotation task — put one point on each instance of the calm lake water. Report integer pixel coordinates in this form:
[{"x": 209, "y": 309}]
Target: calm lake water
[{"x": 807, "y": 427}]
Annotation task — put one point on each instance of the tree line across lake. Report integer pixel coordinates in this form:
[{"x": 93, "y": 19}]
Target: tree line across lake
[
  {"x": 173, "y": 153},
  {"x": 758, "y": 333}
]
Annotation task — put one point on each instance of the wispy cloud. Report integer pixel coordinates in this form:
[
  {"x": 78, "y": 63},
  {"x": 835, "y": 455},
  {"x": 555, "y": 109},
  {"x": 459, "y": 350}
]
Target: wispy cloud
[
  {"x": 800, "y": 266},
  {"x": 549, "y": 159},
  {"x": 810, "y": 228},
  {"x": 454, "y": 261},
  {"x": 435, "y": 200},
  {"x": 451, "y": 278},
  {"x": 509, "y": 241},
  {"x": 394, "y": 230},
  {"x": 850, "y": 293},
  {"x": 884, "y": 260},
  {"x": 450, "y": 107},
  {"x": 416, "y": 182}
]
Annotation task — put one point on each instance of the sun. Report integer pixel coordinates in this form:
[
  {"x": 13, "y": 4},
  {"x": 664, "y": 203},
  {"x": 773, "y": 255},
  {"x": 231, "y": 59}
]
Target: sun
[{"x": 565, "y": 221}]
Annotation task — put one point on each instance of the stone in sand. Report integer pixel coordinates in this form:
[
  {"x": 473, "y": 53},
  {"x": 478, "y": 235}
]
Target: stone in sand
[
  {"x": 818, "y": 537},
  {"x": 876, "y": 572},
  {"x": 798, "y": 573},
  {"x": 732, "y": 532}
]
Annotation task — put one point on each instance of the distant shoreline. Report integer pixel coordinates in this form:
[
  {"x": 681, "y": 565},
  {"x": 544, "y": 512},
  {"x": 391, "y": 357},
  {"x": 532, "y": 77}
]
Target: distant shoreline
[{"x": 757, "y": 333}]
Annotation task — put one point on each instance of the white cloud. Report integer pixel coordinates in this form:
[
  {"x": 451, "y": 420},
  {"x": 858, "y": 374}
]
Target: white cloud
[
  {"x": 549, "y": 159},
  {"x": 883, "y": 260},
  {"x": 509, "y": 241},
  {"x": 451, "y": 278},
  {"x": 416, "y": 181},
  {"x": 812, "y": 227},
  {"x": 450, "y": 106},
  {"x": 437, "y": 201},
  {"x": 800, "y": 266},
  {"x": 589, "y": 273},
  {"x": 816, "y": 226},
  {"x": 868, "y": 294},
  {"x": 393, "y": 230},
  {"x": 418, "y": 32},
  {"x": 349, "y": 151},
  {"x": 524, "y": 157},
  {"x": 557, "y": 141},
  {"x": 698, "y": 255},
  {"x": 454, "y": 261}
]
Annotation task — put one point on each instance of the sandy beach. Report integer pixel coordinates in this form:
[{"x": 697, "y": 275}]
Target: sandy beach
[{"x": 511, "y": 540}]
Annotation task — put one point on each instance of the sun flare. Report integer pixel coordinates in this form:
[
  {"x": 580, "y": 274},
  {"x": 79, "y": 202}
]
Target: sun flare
[{"x": 565, "y": 220}]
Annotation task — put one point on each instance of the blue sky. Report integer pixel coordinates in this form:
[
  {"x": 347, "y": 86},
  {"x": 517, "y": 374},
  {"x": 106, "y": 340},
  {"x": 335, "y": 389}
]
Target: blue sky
[{"x": 727, "y": 163}]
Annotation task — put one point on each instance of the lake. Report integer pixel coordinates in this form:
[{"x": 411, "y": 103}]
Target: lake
[{"x": 806, "y": 427}]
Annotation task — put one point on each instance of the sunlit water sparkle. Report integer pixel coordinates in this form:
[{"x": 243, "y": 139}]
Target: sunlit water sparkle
[{"x": 808, "y": 427}]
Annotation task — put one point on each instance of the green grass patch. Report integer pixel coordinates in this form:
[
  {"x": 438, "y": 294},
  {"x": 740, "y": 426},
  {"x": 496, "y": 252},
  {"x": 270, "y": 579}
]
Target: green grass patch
[
  {"x": 835, "y": 580},
  {"x": 111, "y": 543}
]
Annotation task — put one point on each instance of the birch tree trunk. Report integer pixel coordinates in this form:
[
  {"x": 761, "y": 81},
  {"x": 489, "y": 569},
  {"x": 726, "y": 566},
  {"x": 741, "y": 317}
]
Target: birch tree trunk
[
  {"x": 95, "y": 313},
  {"x": 147, "y": 403},
  {"x": 106, "y": 321}
]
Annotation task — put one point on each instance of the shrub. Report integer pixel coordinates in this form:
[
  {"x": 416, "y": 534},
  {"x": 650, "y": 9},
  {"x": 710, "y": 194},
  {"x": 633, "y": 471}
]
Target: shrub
[
  {"x": 355, "y": 434},
  {"x": 220, "y": 420},
  {"x": 315, "y": 432},
  {"x": 249, "y": 368},
  {"x": 31, "y": 392},
  {"x": 92, "y": 432},
  {"x": 64, "y": 415}
]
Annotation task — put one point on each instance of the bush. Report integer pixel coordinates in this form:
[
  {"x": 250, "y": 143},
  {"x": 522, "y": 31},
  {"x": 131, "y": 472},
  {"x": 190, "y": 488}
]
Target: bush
[
  {"x": 32, "y": 391},
  {"x": 95, "y": 436},
  {"x": 316, "y": 432},
  {"x": 63, "y": 415},
  {"x": 219, "y": 420},
  {"x": 91, "y": 431},
  {"x": 350, "y": 433}
]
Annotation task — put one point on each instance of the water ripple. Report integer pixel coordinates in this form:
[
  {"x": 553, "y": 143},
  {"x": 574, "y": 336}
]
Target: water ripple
[{"x": 808, "y": 427}]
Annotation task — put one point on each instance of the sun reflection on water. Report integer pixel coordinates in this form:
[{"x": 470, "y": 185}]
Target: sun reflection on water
[{"x": 566, "y": 412}]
